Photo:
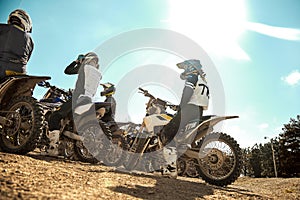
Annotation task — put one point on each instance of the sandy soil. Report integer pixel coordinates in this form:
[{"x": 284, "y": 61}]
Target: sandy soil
[{"x": 37, "y": 177}]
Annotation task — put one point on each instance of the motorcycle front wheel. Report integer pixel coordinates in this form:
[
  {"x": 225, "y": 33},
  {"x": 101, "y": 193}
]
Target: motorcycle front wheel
[
  {"x": 24, "y": 132},
  {"x": 220, "y": 159},
  {"x": 134, "y": 156}
]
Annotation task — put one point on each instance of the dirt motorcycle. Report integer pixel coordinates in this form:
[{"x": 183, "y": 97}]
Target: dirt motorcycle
[
  {"x": 21, "y": 115},
  {"x": 88, "y": 146},
  {"x": 216, "y": 156},
  {"x": 72, "y": 145}
]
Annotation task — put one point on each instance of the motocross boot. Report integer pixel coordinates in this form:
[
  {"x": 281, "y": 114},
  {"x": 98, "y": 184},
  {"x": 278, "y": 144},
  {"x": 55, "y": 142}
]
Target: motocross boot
[
  {"x": 54, "y": 142},
  {"x": 169, "y": 168}
]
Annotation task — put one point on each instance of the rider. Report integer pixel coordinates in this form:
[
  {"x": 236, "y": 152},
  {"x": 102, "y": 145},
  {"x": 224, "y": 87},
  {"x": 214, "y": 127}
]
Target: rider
[
  {"x": 16, "y": 44},
  {"x": 87, "y": 68},
  {"x": 107, "y": 113},
  {"x": 194, "y": 100}
]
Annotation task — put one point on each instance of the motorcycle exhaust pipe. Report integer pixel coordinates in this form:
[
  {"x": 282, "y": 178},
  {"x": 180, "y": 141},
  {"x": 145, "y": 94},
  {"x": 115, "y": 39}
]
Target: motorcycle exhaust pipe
[{"x": 73, "y": 135}]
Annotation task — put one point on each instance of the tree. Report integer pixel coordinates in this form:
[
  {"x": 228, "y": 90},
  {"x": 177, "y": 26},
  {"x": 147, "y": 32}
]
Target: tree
[
  {"x": 255, "y": 161},
  {"x": 289, "y": 149},
  {"x": 258, "y": 160},
  {"x": 247, "y": 168},
  {"x": 267, "y": 162}
]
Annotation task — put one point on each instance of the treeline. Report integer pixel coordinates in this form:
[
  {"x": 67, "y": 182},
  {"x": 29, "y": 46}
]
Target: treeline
[{"x": 259, "y": 159}]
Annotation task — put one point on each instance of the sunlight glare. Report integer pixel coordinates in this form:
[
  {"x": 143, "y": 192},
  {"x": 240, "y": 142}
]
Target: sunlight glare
[{"x": 215, "y": 25}]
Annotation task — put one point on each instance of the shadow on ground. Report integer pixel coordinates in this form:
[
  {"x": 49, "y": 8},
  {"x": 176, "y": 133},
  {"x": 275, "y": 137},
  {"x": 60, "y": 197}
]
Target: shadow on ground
[{"x": 170, "y": 189}]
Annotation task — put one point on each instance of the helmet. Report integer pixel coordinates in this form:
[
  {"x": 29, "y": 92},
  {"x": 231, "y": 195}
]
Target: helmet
[
  {"x": 20, "y": 18},
  {"x": 91, "y": 58},
  {"x": 190, "y": 67},
  {"x": 108, "y": 89}
]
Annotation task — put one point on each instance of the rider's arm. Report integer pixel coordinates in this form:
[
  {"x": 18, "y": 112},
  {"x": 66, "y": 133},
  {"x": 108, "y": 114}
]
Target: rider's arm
[
  {"x": 107, "y": 108},
  {"x": 188, "y": 90},
  {"x": 72, "y": 68},
  {"x": 30, "y": 47}
]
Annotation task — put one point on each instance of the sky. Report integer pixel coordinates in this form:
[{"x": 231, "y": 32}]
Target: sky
[{"x": 253, "y": 44}]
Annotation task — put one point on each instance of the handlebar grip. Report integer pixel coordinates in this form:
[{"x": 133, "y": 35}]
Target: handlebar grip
[
  {"x": 45, "y": 84},
  {"x": 173, "y": 107},
  {"x": 59, "y": 90},
  {"x": 142, "y": 89}
]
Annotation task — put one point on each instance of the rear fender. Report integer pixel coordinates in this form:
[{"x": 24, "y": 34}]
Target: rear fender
[
  {"x": 14, "y": 86},
  {"x": 207, "y": 125}
]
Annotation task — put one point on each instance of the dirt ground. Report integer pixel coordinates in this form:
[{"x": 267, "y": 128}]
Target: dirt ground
[{"x": 37, "y": 177}]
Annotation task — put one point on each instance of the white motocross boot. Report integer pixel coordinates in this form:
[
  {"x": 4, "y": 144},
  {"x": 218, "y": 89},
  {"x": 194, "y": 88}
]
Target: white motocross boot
[
  {"x": 169, "y": 168},
  {"x": 54, "y": 141}
]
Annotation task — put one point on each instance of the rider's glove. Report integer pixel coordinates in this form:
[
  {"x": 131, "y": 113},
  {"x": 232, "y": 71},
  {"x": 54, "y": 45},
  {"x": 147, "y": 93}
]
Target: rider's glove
[
  {"x": 101, "y": 112},
  {"x": 79, "y": 58},
  {"x": 174, "y": 107}
]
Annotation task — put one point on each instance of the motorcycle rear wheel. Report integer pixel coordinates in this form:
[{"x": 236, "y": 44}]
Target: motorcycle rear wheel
[
  {"x": 220, "y": 160},
  {"x": 94, "y": 146},
  {"x": 81, "y": 153},
  {"x": 25, "y": 133}
]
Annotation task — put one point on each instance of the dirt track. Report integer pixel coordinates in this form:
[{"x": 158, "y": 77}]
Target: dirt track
[{"x": 37, "y": 177}]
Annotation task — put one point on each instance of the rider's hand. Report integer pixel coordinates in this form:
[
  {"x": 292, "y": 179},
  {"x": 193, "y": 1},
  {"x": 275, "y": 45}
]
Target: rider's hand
[
  {"x": 79, "y": 59},
  {"x": 101, "y": 112},
  {"x": 174, "y": 107}
]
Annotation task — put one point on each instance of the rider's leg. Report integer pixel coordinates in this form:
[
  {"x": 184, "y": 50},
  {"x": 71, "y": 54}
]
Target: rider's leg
[
  {"x": 54, "y": 128},
  {"x": 169, "y": 166},
  {"x": 54, "y": 142},
  {"x": 170, "y": 130},
  {"x": 190, "y": 117},
  {"x": 53, "y": 134}
]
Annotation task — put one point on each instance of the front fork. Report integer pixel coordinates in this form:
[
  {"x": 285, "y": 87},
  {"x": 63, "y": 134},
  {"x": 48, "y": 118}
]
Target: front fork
[{"x": 140, "y": 143}]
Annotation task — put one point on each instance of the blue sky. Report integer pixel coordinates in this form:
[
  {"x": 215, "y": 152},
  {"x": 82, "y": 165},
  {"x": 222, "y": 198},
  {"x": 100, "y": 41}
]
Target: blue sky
[{"x": 254, "y": 44}]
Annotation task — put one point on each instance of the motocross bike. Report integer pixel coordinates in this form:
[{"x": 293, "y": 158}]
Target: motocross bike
[
  {"x": 107, "y": 148},
  {"x": 216, "y": 156},
  {"x": 21, "y": 115},
  {"x": 72, "y": 145}
]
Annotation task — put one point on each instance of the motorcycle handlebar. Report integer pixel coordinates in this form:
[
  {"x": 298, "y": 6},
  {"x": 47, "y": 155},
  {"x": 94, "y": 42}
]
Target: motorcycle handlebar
[
  {"x": 46, "y": 84},
  {"x": 146, "y": 93},
  {"x": 173, "y": 107}
]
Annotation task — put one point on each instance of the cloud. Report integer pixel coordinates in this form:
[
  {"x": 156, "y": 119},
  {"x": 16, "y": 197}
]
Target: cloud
[
  {"x": 274, "y": 31},
  {"x": 263, "y": 126},
  {"x": 293, "y": 78}
]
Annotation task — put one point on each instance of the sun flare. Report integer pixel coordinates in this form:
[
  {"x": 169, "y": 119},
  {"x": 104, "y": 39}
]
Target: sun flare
[{"x": 215, "y": 25}]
